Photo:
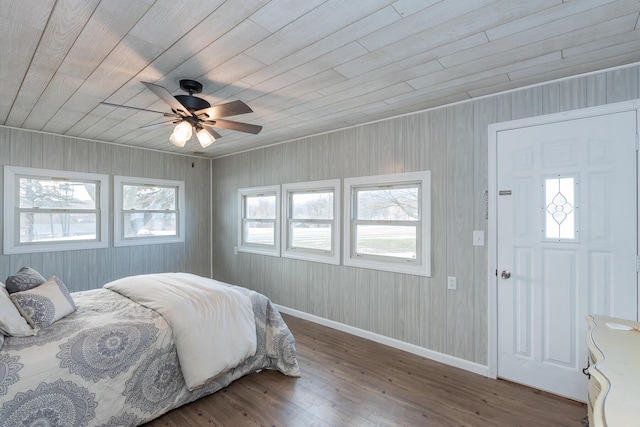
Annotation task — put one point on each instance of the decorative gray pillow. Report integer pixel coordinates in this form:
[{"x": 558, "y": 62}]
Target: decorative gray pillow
[
  {"x": 1, "y": 340},
  {"x": 26, "y": 278},
  {"x": 45, "y": 304}
]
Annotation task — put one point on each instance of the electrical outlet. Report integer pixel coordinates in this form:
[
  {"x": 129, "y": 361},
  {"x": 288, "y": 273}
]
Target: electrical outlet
[{"x": 452, "y": 283}]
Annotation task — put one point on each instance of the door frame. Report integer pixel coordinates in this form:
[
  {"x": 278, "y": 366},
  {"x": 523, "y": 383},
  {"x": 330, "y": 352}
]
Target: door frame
[{"x": 492, "y": 200}]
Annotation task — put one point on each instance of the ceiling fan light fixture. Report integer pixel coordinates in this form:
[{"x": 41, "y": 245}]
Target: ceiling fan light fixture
[
  {"x": 191, "y": 114},
  {"x": 205, "y": 138},
  {"x": 181, "y": 134},
  {"x": 176, "y": 142}
]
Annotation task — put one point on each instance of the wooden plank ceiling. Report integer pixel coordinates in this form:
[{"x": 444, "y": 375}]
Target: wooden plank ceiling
[{"x": 304, "y": 67}]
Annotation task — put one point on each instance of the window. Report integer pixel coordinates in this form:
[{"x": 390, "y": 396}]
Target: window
[
  {"x": 148, "y": 211},
  {"x": 259, "y": 229},
  {"x": 560, "y": 208},
  {"x": 52, "y": 210},
  {"x": 311, "y": 229},
  {"x": 387, "y": 222}
]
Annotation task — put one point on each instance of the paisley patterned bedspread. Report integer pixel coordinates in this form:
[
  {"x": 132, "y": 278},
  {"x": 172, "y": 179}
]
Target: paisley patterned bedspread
[{"x": 114, "y": 363}]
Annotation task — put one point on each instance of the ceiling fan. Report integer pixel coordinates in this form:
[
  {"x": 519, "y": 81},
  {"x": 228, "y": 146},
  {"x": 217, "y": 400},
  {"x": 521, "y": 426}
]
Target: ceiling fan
[{"x": 190, "y": 113}]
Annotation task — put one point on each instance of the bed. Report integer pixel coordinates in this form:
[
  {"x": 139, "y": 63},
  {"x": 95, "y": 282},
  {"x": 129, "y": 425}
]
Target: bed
[{"x": 116, "y": 362}]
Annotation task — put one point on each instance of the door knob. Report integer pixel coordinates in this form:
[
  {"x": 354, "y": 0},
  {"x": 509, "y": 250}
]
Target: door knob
[{"x": 506, "y": 274}]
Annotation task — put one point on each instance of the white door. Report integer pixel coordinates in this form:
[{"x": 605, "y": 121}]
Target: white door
[{"x": 567, "y": 244}]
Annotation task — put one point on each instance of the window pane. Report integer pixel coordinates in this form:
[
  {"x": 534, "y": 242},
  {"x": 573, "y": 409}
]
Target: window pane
[
  {"x": 41, "y": 227},
  {"x": 148, "y": 197},
  {"x": 260, "y": 207},
  {"x": 310, "y": 236},
  {"x": 386, "y": 240},
  {"x": 560, "y": 208},
  {"x": 140, "y": 224},
  {"x": 261, "y": 233},
  {"x": 312, "y": 205},
  {"x": 393, "y": 204},
  {"x": 56, "y": 194}
]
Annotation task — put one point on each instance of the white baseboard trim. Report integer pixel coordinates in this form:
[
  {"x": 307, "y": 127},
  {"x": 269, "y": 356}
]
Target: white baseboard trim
[{"x": 391, "y": 342}]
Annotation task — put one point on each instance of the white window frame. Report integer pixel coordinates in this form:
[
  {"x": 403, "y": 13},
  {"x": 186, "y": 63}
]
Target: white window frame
[
  {"x": 12, "y": 174},
  {"x": 256, "y": 248},
  {"x": 118, "y": 215},
  {"x": 329, "y": 257},
  {"x": 421, "y": 266}
]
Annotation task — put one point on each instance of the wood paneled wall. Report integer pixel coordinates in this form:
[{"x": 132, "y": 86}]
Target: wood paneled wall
[
  {"x": 452, "y": 143},
  {"x": 88, "y": 269}
]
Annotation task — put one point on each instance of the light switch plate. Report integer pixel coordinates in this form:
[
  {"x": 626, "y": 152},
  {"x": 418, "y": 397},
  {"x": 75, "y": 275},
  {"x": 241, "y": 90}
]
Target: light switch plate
[{"x": 478, "y": 238}]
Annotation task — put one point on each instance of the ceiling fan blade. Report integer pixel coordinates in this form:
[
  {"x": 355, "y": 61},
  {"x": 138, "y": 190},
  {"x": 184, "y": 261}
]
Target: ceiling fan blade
[
  {"x": 166, "y": 96},
  {"x": 160, "y": 125},
  {"x": 140, "y": 109},
  {"x": 211, "y": 130},
  {"x": 231, "y": 125},
  {"x": 223, "y": 110}
]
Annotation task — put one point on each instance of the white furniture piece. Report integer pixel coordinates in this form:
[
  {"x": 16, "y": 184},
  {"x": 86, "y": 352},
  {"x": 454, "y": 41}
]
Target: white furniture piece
[{"x": 614, "y": 369}]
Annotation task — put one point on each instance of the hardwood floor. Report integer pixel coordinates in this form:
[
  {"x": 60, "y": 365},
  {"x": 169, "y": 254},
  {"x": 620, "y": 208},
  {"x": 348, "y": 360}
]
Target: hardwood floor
[{"x": 351, "y": 381}]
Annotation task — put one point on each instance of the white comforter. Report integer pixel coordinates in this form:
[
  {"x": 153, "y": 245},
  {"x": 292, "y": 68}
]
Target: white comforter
[{"x": 213, "y": 325}]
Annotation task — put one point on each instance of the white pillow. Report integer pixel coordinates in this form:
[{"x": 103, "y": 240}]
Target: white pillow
[
  {"x": 11, "y": 322},
  {"x": 45, "y": 304}
]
